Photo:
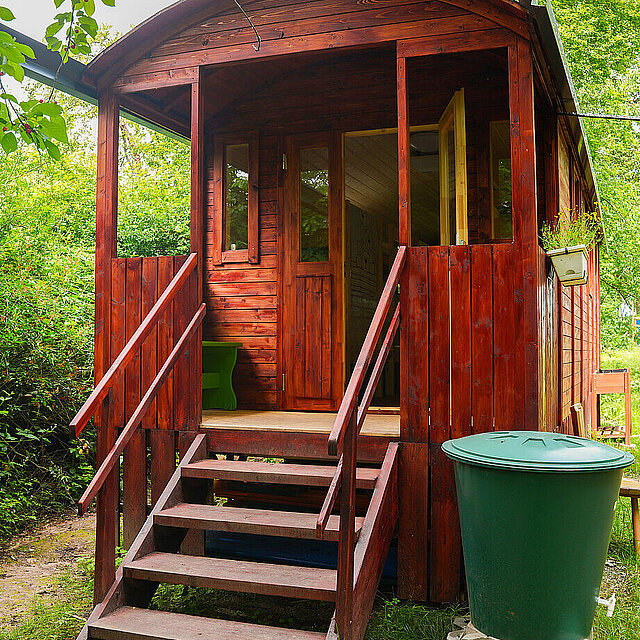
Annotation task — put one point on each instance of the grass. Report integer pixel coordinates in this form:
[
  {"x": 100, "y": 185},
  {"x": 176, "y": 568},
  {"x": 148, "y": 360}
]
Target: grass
[{"x": 61, "y": 615}]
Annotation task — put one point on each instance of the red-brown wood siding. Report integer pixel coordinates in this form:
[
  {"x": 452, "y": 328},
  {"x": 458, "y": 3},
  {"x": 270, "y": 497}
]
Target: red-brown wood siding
[
  {"x": 290, "y": 26},
  {"x": 136, "y": 285},
  {"x": 465, "y": 350}
]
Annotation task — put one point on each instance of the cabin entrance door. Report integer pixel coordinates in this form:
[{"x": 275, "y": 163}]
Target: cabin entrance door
[{"x": 312, "y": 323}]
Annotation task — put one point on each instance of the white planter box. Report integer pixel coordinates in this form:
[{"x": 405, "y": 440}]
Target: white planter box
[{"x": 571, "y": 265}]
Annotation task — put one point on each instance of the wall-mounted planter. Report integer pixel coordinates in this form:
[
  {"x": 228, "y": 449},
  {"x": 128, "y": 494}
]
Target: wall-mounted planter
[{"x": 571, "y": 265}]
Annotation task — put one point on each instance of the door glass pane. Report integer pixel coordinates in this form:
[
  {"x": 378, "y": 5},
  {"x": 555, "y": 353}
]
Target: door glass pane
[
  {"x": 314, "y": 205},
  {"x": 425, "y": 188},
  {"x": 451, "y": 161},
  {"x": 236, "y": 197},
  {"x": 501, "y": 196}
]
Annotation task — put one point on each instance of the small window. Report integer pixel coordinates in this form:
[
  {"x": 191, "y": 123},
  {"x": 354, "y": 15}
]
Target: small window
[
  {"x": 236, "y": 210},
  {"x": 236, "y": 197},
  {"x": 314, "y": 205},
  {"x": 501, "y": 187}
]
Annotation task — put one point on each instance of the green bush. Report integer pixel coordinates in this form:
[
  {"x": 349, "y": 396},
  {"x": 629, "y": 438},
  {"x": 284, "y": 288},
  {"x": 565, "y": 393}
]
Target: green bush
[{"x": 46, "y": 301}]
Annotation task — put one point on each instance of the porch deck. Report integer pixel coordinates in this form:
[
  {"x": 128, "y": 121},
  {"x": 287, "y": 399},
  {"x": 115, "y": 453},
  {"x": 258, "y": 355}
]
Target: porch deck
[{"x": 376, "y": 424}]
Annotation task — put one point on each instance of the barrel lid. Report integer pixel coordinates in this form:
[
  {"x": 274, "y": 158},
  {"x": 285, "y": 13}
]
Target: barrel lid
[{"x": 536, "y": 451}]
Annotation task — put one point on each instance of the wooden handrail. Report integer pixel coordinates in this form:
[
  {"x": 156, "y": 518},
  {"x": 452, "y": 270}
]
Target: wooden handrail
[
  {"x": 350, "y": 400},
  {"x": 378, "y": 368},
  {"x": 336, "y": 481},
  {"x": 137, "y": 339},
  {"x": 349, "y": 405},
  {"x": 134, "y": 422}
]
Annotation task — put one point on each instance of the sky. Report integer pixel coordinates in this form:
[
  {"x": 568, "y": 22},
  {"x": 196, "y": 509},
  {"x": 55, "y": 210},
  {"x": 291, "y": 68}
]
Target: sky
[{"x": 33, "y": 16}]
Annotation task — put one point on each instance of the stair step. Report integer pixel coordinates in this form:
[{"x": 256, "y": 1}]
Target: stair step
[
  {"x": 128, "y": 623},
  {"x": 286, "y": 524},
  {"x": 299, "y": 474},
  {"x": 235, "y": 575}
]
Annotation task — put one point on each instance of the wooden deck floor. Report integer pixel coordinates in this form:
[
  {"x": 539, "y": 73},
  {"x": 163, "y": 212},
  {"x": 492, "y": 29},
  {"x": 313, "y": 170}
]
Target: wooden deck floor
[{"x": 387, "y": 426}]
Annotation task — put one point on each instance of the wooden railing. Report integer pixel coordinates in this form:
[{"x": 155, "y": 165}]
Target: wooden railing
[
  {"x": 135, "y": 342},
  {"x": 117, "y": 369},
  {"x": 344, "y": 438}
]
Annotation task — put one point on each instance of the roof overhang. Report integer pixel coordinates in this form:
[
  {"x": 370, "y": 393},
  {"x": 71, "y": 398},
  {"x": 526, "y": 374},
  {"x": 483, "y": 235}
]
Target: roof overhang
[{"x": 47, "y": 68}]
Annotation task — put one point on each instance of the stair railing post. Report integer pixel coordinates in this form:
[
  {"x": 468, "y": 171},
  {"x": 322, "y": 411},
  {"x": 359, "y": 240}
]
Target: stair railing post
[{"x": 346, "y": 547}]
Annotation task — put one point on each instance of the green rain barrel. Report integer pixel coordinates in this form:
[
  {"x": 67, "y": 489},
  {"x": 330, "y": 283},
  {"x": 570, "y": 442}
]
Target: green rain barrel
[{"x": 536, "y": 511}]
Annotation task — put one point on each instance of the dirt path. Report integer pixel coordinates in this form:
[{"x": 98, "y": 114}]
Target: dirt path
[{"x": 29, "y": 564}]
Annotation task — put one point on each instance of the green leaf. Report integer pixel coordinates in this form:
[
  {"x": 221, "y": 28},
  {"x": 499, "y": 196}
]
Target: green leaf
[
  {"x": 109, "y": 3},
  {"x": 53, "y": 28},
  {"x": 9, "y": 142},
  {"x": 14, "y": 70},
  {"x": 90, "y": 7},
  {"x": 89, "y": 25},
  {"x": 52, "y": 149},
  {"x": 11, "y": 53},
  {"x": 5, "y": 37},
  {"x": 6, "y": 14},
  {"x": 58, "y": 3},
  {"x": 25, "y": 50}
]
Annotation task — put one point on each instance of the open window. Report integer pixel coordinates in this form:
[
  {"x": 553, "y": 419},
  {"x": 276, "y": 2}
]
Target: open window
[
  {"x": 454, "y": 225},
  {"x": 501, "y": 182},
  {"x": 236, "y": 200}
]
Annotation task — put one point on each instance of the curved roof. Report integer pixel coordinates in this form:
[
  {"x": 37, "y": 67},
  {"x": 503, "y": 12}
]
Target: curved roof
[{"x": 182, "y": 14}]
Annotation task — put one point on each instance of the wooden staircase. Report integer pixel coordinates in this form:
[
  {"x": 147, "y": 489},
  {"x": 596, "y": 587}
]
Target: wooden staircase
[{"x": 156, "y": 557}]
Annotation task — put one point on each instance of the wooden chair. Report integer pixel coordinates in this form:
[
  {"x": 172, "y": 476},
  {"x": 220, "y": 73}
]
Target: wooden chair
[
  {"x": 630, "y": 488},
  {"x": 614, "y": 381}
]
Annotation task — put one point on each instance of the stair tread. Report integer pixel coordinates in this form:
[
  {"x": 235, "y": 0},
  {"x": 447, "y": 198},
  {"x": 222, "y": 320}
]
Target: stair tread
[
  {"x": 300, "y": 474},
  {"x": 142, "y": 624},
  {"x": 235, "y": 575},
  {"x": 254, "y": 521}
]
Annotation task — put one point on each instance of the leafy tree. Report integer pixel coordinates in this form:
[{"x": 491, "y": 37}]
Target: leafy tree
[
  {"x": 40, "y": 122},
  {"x": 602, "y": 42}
]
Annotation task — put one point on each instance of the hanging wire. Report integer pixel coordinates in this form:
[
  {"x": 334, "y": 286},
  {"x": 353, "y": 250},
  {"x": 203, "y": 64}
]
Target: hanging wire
[
  {"x": 256, "y": 47},
  {"x": 602, "y": 116}
]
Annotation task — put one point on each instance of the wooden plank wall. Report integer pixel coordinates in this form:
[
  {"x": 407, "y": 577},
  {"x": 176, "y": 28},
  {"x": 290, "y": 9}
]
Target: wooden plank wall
[
  {"x": 241, "y": 299},
  {"x": 463, "y": 339},
  {"x": 150, "y": 457},
  {"x": 579, "y": 310}
]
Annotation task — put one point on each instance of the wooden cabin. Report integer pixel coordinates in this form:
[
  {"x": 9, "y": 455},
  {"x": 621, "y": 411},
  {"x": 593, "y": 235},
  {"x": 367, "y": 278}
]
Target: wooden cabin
[{"x": 369, "y": 183}]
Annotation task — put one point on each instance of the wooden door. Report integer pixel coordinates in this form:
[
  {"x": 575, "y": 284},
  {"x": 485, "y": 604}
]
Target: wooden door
[{"x": 312, "y": 323}]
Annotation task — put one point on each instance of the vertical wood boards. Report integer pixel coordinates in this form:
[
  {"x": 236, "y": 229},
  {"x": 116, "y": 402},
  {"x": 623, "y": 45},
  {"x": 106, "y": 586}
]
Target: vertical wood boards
[
  {"x": 106, "y": 225},
  {"x": 134, "y": 466},
  {"x": 413, "y": 527},
  {"x": 137, "y": 284},
  {"x": 165, "y": 344},
  {"x": 523, "y": 159},
  {"x": 465, "y": 373},
  {"x": 482, "y": 347}
]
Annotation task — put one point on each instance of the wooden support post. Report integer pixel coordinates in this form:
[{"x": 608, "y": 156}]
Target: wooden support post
[
  {"x": 106, "y": 230},
  {"x": 197, "y": 229},
  {"x": 344, "y": 604},
  {"x": 523, "y": 167}
]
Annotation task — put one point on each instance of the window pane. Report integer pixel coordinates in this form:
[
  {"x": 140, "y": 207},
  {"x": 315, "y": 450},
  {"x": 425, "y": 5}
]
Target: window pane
[
  {"x": 314, "y": 205},
  {"x": 425, "y": 188},
  {"x": 236, "y": 197},
  {"x": 451, "y": 194},
  {"x": 501, "y": 197}
]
